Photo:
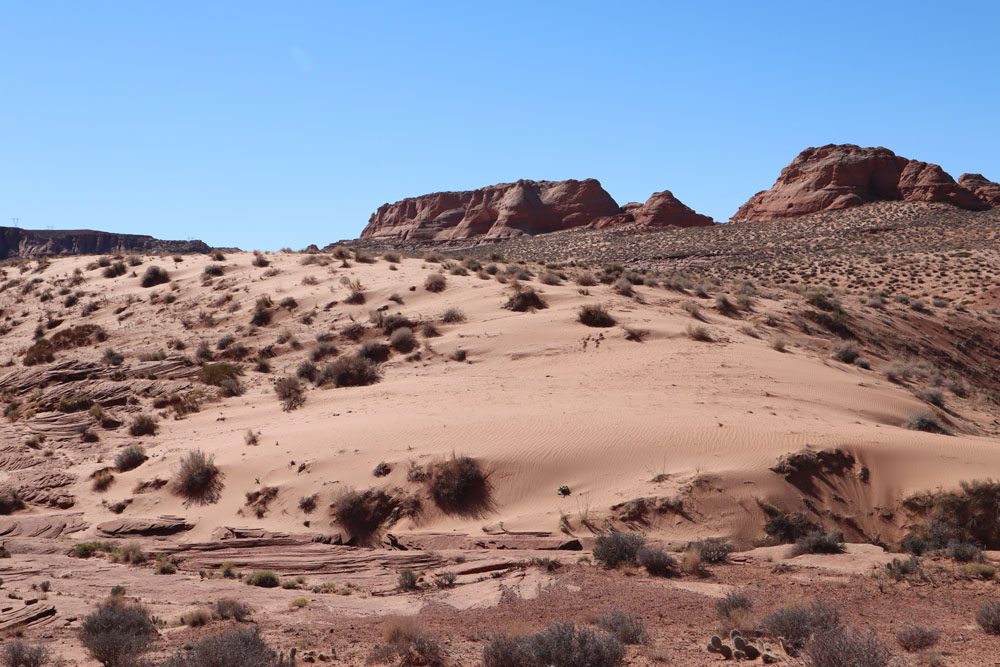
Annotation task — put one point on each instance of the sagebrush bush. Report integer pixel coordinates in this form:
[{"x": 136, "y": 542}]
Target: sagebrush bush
[
  {"x": 362, "y": 513},
  {"x": 787, "y": 528},
  {"x": 925, "y": 421},
  {"x": 988, "y": 617},
  {"x": 19, "y": 653},
  {"x": 241, "y": 646},
  {"x": 290, "y": 392},
  {"x": 435, "y": 282},
  {"x": 232, "y": 609},
  {"x": 459, "y": 485},
  {"x": 627, "y": 628},
  {"x": 130, "y": 458},
  {"x": 615, "y": 548},
  {"x": 817, "y": 542},
  {"x": 453, "y": 316},
  {"x": 154, "y": 276},
  {"x": 594, "y": 315},
  {"x": 198, "y": 479},
  {"x": 523, "y": 299},
  {"x": 712, "y": 550},
  {"x": 847, "y": 647},
  {"x": 143, "y": 424},
  {"x": 917, "y": 638},
  {"x": 350, "y": 371},
  {"x": 262, "y": 579},
  {"x": 657, "y": 562},
  {"x": 118, "y": 633},
  {"x": 797, "y": 625},
  {"x": 403, "y": 340},
  {"x": 561, "y": 644}
]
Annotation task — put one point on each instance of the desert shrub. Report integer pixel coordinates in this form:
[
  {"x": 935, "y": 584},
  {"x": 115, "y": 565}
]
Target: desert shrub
[
  {"x": 10, "y": 501},
  {"x": 213, "y": 271},
  {"x": 362, "y": 514},
  {"x": 143, "y": 424},
  {"x": 845, "y": 352},
  {"x": 627, "y": 628},
  {"x": 818, "y": 542},
  {"x": 154, "y": 276},
  {"x": 290, "y": 392},
  {"x": 391, "y": 256},
  {"x": 933, "y": 396},
  {"x": 102, "y": 480},
  {"x": 382, "y": 469},
  {"x": 459, "y": 485},
  {"x": 374, "y": 351},
  {"x": 899, "y": 569},
  {"x": 403, "y": 340},
  {"x": 262, "y": 579},
  {"x": 917, "y": 638},
  {"x": 635, "y": 335},
  {"x": 988, "y": 617},
  {"x": 733, "y": 608},
  {"x": 586, "y": 279},
  {"x": 19, "y": 653},
  {"x": 232, "y": 609},
  {"x": 925, "y": 421},
  {"x": 797, "y": 625},
  {"x": 846, "y": 647},
  {"x": 164, "y": 565},
  {"x": 196, "y": 618},
  {"x": 130, "y": 458},
  {"x": 453, "y": 316},
  {"x": 657, "y": 562},
  {"x": 712, "y": 550},
  {"x": 435, "y": 282},
  {"x": 983, "y": 571},
  {"x": 307, "y": 370},
  {"x": 353, "y": 331},
  {"x": 561, "y": 644},
  {"x": 241, "y": 646},
  {"x": 408, "y": 580},
  {"x": 198, "y": 479},
  {"x": 787, "y": 528},
  {"x": 615, "y": 548},
  {"x": 700, "y": 334},
  {"x": 352, "y": 371},
  {"x": 965, "y": 552},
  {"x": 966, "y": 515},
  {"x": 594, "y": 315},
  {"x": 117, "y": 633},
  {"x": 407, "y": 643},
  {"x": 389, "y": 323},
  {"x": 259, "y": 260},
  {"x": 523, "y": 299}
]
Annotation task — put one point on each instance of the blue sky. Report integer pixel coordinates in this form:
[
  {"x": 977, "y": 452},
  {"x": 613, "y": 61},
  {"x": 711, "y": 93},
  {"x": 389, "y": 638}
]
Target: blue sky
[{"x": 266, "y": 124}]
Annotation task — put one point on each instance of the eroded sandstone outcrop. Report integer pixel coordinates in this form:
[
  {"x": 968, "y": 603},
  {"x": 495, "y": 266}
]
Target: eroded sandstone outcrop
[
  {"x": 23, "y": 243},
  {"x": 979, "y": 185},
  {"x": 834, "y": 177},
  {"x": 662, "y": 209}
]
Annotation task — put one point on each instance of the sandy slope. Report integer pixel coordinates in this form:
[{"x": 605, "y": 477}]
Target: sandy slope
[{"x": 543, "y": 401}]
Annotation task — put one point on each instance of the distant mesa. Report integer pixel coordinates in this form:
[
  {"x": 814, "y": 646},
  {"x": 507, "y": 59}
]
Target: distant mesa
[
  {"x": 522, "y": 208},
  {"x": 18, "y": 243},
  {"x": 835, "y": 177}
]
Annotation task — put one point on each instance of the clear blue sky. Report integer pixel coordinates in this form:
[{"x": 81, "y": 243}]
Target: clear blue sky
[{"x": 270, "y": 124}]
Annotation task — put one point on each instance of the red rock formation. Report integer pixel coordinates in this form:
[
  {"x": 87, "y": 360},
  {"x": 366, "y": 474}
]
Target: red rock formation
[
  {"x": 497, "y": 211},
  {"x": 980, "y": 186},
  {"x": 662, "y": 209},
  {"x": 835, "y": 177},
  {"x": 21, "y": 243}
]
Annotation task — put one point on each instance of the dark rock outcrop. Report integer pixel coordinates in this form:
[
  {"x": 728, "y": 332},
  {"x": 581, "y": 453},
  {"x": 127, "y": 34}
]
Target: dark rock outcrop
[
  {"x": 836, "y": 177},
  {"x": 496, "y": 211},
  {"x": 23, "y": 243},
  {"x": 132, "y": 527},
  {"x": 980, "y": 186}
]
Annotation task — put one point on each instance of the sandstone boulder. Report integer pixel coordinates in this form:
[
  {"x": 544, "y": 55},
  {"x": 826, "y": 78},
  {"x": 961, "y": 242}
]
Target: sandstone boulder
[{"x": 980, "y": 186}]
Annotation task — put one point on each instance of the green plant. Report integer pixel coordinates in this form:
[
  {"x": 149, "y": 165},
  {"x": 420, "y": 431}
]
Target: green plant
[
  {"x": 117, "y": 633},
  {"x": 262, "y": 579},
  {"x": 818, "y": 542},
  {"x": 615, "y": 548}
]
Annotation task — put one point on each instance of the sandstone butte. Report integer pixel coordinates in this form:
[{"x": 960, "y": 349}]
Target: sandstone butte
[
  {"x": 522, "y": 208},
  {"x": 835, "y": 177}
]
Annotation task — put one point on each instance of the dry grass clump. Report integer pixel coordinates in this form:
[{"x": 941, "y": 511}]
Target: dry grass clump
[
  {"x": 595, "y": 315},
  {"x": 407, "y": 643},
  {"x": 290, "y": 392},
  {"x": 818, "y": 542},
  {"x": 635, "y": 335},
  {"x": 403, "y": 340},
  {"x": 700, "y": 333},
  {"x": 459, "y": 485},
  {"x": 232, "y": 609},
  {"x": 154, "y": 276},
  {"x": 198, "y": 480},
  {"x": 453, "y": 316},
  {"x": 523, "y": 299},
  {"x": 657, "y": 562},
  {"x": 926, "y": 421},
  {"x": 735, "y": 612},
  {"x": 102, "y": 480},
  {"x": 627, "y": 628},
  {"x": 988, "y": 617},
  {"x": 19, "y": 653},
  {"x": 435, "y": 282},
  {"x": 374, "y": 351},
  {"x": 223, "y": 375}
]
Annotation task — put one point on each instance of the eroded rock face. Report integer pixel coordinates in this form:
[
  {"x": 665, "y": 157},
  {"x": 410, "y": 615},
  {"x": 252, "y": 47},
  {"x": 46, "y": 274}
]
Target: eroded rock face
[
  {"x": 662, "y": 209},
  {"x": 24, "y": 243},
  {"x": 836, "y": 177},
  {"x": 982, "y": 187},
  {"x": 497, "y": 211}
]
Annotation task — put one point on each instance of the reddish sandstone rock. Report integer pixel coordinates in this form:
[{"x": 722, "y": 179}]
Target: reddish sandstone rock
[
  {"x": 835, "y": 177},
  {"x": 497, "y": 211},
  {"x": 662, "y": 209},
  {"x": 980, "y": 186}
]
